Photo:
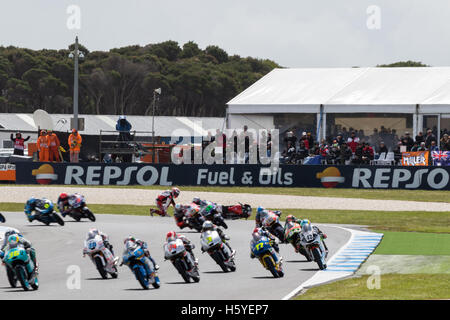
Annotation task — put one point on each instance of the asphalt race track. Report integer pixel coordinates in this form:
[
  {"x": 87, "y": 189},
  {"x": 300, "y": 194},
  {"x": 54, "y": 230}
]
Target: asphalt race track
[{"x": 58, "y": 248}]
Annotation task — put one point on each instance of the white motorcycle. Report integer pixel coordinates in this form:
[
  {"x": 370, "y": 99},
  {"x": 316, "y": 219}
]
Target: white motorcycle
[
  {"x": 212, "y": 243},
  {"x": 313, "y": 243},
  {"x": 102, "y": 257},
  {"x": 182, "y": 260}
]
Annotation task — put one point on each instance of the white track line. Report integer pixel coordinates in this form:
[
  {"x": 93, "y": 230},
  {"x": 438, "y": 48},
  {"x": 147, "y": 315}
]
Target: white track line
[{"x": 327, "y": 276}]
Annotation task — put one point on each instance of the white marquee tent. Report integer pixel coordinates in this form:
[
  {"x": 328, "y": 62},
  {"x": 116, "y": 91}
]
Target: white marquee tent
[{"x": 417, "y": 92}]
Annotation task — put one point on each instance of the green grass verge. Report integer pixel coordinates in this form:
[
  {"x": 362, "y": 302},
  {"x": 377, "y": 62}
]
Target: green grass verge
[
  {"x": 376, "y": 194},
  {"x": 414, "y": 243},
  {"x": 393, "y": 287},
  {"x": 438, "y": 222}
]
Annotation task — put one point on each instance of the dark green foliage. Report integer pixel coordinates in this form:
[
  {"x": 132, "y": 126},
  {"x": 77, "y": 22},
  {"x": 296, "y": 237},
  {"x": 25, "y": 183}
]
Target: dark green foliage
[
  {"x": 194, "y": 82},
  {"x": 403, "y": 64}
]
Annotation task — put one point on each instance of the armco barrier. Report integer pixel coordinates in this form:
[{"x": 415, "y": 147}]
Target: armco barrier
[{"x": 378, "y": 177}]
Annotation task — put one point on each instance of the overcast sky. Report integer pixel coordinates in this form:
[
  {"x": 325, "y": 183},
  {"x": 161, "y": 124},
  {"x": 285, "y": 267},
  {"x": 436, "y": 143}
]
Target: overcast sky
[{"x": 294, "y": 33}]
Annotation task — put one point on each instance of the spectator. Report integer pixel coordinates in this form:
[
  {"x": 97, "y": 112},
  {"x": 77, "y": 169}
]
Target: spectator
[
  {"x": 19, "y": 143},
  {"x": 415, "y": 147},
  {"x": 420, "y": 138},
  {"x": 375, "y": 138},
  {"x": 75, "y": 145},
  {"x": 353, "y": 141},
  {"x": 302, "y": 150},
  {"x": 409, "y": 141},
  {"x": 358, "y": 154},
  {"x": 345, "y": 154},
  {"x": 398, "y": 152},
  {"x": 339, "y": 139},
  {"x": 54, "y": 144},
  {"x": 430, "y": 137},
  {"x": 310, "y": 139},
  {"x": 305, "y": 141},
  {"x": 43, "y": 147},
  {"x": 433, "y": 146},
  {"x": 382, "y": 148},
  {"x": 290, "y": 139},
  {"x": 422, "y": 147},
  {"x": 367, "y": 153},
  {"x": 334, "y": 151},
  {"x": 124, "y": 128},
  {"x": 445, "y": 143}
]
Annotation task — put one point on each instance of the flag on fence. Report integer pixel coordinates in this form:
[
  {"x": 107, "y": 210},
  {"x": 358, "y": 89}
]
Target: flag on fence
[{"x": 441, "y": 158}]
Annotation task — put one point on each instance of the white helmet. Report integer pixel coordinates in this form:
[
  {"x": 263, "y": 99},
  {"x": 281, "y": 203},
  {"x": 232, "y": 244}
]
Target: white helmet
[
  {"x": 207, "y": 225},
  {"x": 92, "y": 233}
]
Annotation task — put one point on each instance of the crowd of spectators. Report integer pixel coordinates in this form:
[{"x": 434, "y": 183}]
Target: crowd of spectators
[{"x": 355, "y": 147}]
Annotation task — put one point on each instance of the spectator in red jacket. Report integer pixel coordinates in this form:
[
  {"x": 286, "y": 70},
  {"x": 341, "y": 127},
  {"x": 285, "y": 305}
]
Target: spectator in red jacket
[{"x": 353, "y": 141}]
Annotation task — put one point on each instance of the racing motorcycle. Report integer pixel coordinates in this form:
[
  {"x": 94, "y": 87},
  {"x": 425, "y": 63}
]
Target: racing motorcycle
[
  {"x": 78, "y": 208},
  {"x": 102, "y": 257},
  {"x": 46, "y": 215},
  {"x": 182, "y": 260},
  {"x": 211, "y": 212},
  {"x": 20, "y": 267},
  {"x": 238, "y": 211},
  {"x": 193, "y": 218},
  {"x": 133, "y": 258},
  {"x": 271, "y": 221},
  {"x": 212, "y": 243},
  {"x": 261, "y": 250},
  {"x": 2, "y": 218},
  {"x": 311, "y": 240},
  {"x": 292, "y": 232}
]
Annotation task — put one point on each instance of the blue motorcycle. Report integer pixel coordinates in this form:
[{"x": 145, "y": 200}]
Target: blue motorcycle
[
  {"x": 261, "y": 250},
  {"x": 20, "y": 267},
  {"x": 45, "y": 211},
  {"x": 135, "y": 262},
  {"x": 2, "y": 218}
]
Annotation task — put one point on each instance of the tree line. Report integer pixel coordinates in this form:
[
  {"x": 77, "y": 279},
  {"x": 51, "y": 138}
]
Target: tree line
[{"x": 194, "y": 81}]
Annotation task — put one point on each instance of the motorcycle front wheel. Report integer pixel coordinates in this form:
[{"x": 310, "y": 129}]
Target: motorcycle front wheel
[
  {"x": 318, "y": 258},
  {"x": 101, "y": 268},
  {"x": 22, "y": 277},
  {"x": 271, "y": 266},
  {"x": 141, "y": 278},
  {"x": 12, "y": 279}
]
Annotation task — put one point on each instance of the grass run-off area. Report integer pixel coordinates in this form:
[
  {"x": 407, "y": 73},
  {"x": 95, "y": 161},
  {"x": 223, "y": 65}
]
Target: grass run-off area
[
  {"x": 376, "y": 194},
  {"x": 392, "y": 287},
  {"x": 416, "y": 221},
  {"x": 414, "y": 243}
]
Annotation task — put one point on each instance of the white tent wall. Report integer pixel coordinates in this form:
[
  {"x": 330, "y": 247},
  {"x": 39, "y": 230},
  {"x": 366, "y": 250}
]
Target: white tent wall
[
  {"x": 414, "y": 92},
  {"x": 253, "y": 121}
]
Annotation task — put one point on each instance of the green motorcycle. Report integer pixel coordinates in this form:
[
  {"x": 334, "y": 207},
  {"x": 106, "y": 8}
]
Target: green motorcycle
[{"x": 20, "y": 267}]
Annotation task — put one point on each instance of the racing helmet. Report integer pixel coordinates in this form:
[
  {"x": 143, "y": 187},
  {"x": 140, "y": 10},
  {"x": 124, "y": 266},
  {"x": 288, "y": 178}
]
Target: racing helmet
[
  {"x": 177, "y": 207},
  {"x": 175, "y": 192},
  {"x": 13, "y": 240},
  {"x": 63, "y": 197},
  {"x": 10, "y": 232},
  {"x": 196, "y": 200},
  {"x": 129, "y": 238},
  {"x": 207, "y": 225},
  {"x": 47, "y": 205},
  {"x": 171, "y": 236},
  {"x": 290, "y": 218},
  {"x": 209, "y": 208},
  {"x": 92, "y": 233},
  {"x": 256, "y": 234},
  {"x": 304, "y": 221},
  {"x": 260, "y": 209}
]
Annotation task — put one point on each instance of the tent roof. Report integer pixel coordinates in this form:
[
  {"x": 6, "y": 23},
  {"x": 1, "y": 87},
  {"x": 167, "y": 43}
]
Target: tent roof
[
  {"x": 343, "y": 89},
  {"x": 164, "y": 126}
]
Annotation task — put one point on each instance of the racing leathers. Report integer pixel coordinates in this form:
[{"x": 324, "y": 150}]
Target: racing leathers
[
  {"x": 189, "y": 248},
  {"x": 163, "y": 201},
  {"x": 37, "y": 206},
  {"x": 260, "y": 215},
  {"x": 105, "y": 239},
  {"x": 22, "y": 242},
  {"x": 149, "y": 262},
  {"x": 64, "y": 206},
  {"x": 222, "y": 235},
  {"x": 261, "y": 232}
]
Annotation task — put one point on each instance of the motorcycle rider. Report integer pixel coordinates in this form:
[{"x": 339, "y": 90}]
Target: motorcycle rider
[
  {"x": 164, "y": 200},
  {"x": 95, "y": 232},
  {"x": 15, "y": 241},
  {"x": 209, "y": 226},
  {"x": 257, "y": 234},
  {"x": 172, "y": 236},
  {"x": 132, "y": 243},
  {"x": 63, "y": 203},
  {"x": 36, "y": 205},
  {"x": 316, "y": 230},
  {"x": 261, "y": 213},
  {"x": 2, "y": 218},
  {"x": 180, "y": 215}
]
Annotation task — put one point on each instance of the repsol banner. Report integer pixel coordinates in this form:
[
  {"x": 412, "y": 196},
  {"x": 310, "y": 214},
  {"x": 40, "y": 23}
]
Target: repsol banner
[{"x": 379, "y": 177}]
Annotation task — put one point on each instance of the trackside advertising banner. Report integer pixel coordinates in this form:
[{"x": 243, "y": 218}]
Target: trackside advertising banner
[{"x": 378, "y": 177}]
